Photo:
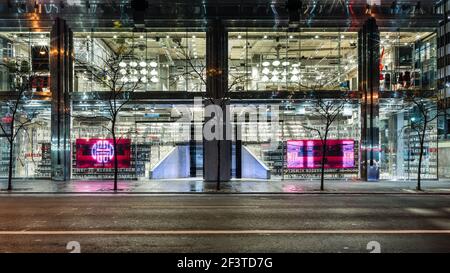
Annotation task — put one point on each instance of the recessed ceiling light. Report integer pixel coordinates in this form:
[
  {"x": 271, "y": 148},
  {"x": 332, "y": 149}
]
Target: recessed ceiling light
[{"x": 239, "y": 37}]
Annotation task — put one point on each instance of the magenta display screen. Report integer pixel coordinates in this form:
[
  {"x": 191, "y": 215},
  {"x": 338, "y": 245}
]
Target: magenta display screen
[
  {"x": 307, "y": 154},
  {"x": 99, "y": 153}
]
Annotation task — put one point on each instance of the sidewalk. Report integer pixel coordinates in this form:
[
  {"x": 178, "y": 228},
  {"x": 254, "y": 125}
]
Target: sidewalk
[{"x": 238, "y": 186}]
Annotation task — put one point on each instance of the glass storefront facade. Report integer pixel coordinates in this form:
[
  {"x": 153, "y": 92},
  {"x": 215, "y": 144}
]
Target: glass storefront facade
[{"x": 266, "y": 68}]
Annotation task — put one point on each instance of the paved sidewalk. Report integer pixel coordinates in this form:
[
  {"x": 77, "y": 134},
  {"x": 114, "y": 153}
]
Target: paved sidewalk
[{"x": 238, "y": 186}]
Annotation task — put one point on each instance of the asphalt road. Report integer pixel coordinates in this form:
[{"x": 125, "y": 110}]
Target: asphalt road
[{"x": 225, "y": 223}]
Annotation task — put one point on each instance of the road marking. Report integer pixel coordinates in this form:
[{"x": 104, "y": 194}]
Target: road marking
[{"x": 215, "y": 232}]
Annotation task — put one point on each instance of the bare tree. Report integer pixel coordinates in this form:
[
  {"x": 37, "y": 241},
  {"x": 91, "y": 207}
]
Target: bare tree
[
  {"x": 17, "y": 119},
  {"x": 326, "y": 111},
  {"x": 424, "y": 113},
  {"x": 108, "y": 73}
]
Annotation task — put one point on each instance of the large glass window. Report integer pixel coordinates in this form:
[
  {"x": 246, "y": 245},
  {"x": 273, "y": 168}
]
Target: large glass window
[
  {"x": 311, "y": 59},
  {"x": 408, "y": 60},
  {"x": 157, "y": 61}
]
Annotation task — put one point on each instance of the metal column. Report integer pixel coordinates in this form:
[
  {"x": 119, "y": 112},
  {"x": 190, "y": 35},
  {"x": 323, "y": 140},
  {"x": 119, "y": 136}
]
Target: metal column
[
  {"x": 369, "y": 78},
  {"x": 61, "y": 71},
  {"x": 217, "y": 94}
]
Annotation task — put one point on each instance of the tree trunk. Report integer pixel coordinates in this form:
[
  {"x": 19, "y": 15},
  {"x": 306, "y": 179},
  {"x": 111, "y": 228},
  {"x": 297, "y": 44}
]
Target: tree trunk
[
  {"x": 10, "y": 167},
  {"x": 218, "y": 165},
  {"x": 419, "y": 171},
  {"x": 322, "y": 172},
  {"x": 116, "y": 169},
  {"x": 11, "y": 150}
]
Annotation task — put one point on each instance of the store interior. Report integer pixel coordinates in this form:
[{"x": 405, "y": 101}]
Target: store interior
[{"x": 259, "y": 60}]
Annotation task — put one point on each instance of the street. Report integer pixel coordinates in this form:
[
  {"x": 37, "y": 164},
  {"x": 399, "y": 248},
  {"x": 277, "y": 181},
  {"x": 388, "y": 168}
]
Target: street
[{"x": 225, "y": 223}]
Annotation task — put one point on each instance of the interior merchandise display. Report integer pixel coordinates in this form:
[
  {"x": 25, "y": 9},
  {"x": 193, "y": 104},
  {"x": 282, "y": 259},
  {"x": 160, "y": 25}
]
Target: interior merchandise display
[
  {"x": 44, "y": 169},
  {"x": 4, "y": 157},
  {"x": 412, "y": 153}
]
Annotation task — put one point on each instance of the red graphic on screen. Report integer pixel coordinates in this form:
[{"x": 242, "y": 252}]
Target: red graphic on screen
[
  {"x": 99, "y": 153},
  {"x": 307, "y": 154}
]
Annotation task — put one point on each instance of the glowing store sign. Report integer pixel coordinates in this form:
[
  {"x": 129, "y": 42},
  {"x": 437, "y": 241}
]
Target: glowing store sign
[
  {"x": 102, "y": 151},
  {"x": 99, "y": 153},
  {"x": 307, "y": 154}
]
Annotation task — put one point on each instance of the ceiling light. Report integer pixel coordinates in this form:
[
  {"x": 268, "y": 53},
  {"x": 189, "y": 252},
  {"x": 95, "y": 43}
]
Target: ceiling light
[
  {"x": 123, "y": 71},
  {"x": 144, "y": 79},
  {"x": 134, "y": 79},
  {"x": 295, "y": 71},
  {"x": 193, "y": 37},
  {"x": 285, "y": 63},
  {"x": 122, "y": 64},
  {"x": 133, "y": 64},
  {"x": 115, "y": 36},
  {"x": 124, "y": 79},
  {"x": 294, "y": 78},
  {"x": 142, "y": 36},
  {"x": 154, "y": 72},
  {"x": 266, "y": 63},
  {"x": 265, "y": 78},
  {"x": 265, "y": 36},
  {"x": 265, "y": 71},
  {"x": 274, "y": 79},
  {"x": 239, "y": 37},
  {"x": 276, "y": 63},
  {"x": 275, "y": 72},
  {"x": 154, "y": 80},
  {"x": 153, "y": 64},
  {"x": 291, "y": 37},
  {"x": 144, "y": 71},
  {"x": 317, "y": 37},
  {"x": 142, "y": 64}
]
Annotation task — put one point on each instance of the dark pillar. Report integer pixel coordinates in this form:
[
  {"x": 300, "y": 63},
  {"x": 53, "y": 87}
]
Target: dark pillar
[
  {"x": 61, "y": 71},
  {"x": 217, "y": 95},
  {"x": 238, "y": 143},
  {"x": 369, "y": 66},
  {"x": 193, "y": 152}
]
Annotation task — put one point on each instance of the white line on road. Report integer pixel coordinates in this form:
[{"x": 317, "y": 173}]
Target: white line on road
[{"x": 215, "y": 232}]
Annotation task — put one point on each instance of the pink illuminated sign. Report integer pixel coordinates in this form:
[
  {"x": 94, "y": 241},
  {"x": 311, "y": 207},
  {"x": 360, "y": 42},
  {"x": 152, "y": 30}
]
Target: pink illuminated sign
[
  {"x": 307, "y": 154},
  {"x": 99, "y": 153}
]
